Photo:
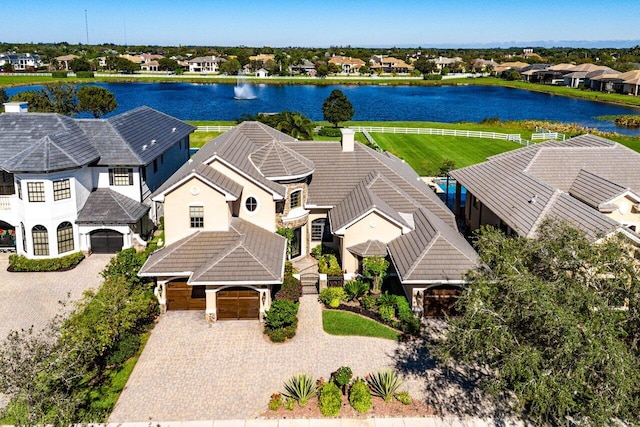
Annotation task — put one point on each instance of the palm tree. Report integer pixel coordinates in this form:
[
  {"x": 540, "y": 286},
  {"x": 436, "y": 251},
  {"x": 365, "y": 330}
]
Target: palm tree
[{"x": 295, "y": 125}]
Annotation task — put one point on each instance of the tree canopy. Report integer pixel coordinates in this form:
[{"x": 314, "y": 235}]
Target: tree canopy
[
  {"x": 337, "y": 108},
  {"x": 66, "y": 99},
  {"x": 292, "y": 123},
  {"x": 96, "y": 100},
  {"x": 555, "y": 323}
]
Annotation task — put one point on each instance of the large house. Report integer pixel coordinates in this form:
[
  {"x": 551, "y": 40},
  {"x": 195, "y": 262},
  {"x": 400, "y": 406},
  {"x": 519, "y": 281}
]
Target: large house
[
  {"x": 205, "y": 64},
  {"x": 348, "y": 64},
  {"x": 389, "y": 64},
  {"x": 223, "y": 208},
  {"x": 20, "y": 61},
  {"x": 83, "y": 184},
  {"x": 590, "y": 182}
]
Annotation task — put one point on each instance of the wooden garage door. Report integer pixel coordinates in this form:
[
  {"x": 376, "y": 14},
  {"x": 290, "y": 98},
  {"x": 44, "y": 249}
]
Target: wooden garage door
[
  {"x": 181, "y": 296},
  {"x": 439, "y": 302},
  {"x": 238, "y": 304},
  {"x": 106, "y": 241}
]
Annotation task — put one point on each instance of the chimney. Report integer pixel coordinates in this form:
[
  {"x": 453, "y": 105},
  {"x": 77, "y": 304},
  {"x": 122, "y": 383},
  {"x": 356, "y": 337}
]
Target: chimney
[
  {"x": 15, "y": 107},
  {"x": 348, "y": 137}
]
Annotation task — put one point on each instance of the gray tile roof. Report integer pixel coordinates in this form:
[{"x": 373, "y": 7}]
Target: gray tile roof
[
  {"x": 594, "y": 190},
  {"x": 433, "y": 251},
  {"x": 105, "y": 206},
  {"x": 245, "y": 253},
  {"x": 523, "y": 186},
  {"x": 42, "y": 142},
  {"x": 369, "y": 248},
  {"x": 275, "y": 161}
]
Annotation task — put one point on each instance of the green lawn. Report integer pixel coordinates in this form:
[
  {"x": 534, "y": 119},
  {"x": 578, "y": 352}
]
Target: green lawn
[
  {"x": 426, "y": 153},
  {"x": 198, "y": 139},
  {"x": 344, "y": 323}
]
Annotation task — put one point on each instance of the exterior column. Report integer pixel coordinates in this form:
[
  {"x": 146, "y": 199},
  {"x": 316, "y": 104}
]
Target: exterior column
[
  {"x": 211, "y": 314},
  {"x": 456, "y": 202}
]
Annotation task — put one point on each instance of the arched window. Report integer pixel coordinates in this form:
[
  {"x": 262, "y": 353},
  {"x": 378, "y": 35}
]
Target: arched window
[
  {"x": 24, "y": 237},
  {"x": 320, "y": 230},
  {"x": 65, "y": 237},
  {"x": 40, "y": 240}
]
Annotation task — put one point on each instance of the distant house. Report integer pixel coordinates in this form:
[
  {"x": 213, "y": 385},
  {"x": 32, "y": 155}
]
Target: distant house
[
  {"x": 262, "y": 58},
  {"x": 222, "y": 211},
  {"x": 443, "y": 62},
  {"x": 262, "y": 73},
  {"x": 504, "y": 66},
  {"x": 205, "y": 64},
  {"x": 590, "y": 182},
  {"x": 20, "y": 61},
  {"x": 304, "y": 67},
  {"x": 348, "y": 64},
  {"x": 71, "y": 185},
  {"x": 389, "y": 64},
  {"x": 150, "y": 66},
  {"x": 143, "y": 58}
]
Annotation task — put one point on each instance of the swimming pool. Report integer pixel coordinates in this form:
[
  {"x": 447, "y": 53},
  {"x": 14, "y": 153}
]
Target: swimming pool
[{"x": 448, "y": 194}]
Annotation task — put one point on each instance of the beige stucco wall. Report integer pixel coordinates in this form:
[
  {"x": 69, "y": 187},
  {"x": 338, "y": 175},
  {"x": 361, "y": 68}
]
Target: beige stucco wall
[
  {"x": 625, "y": 214},
  {"x": 217, "y": 211},
  {"x": 371, "y": 227},
  {"x": 265, "y": 215},
  {"x": 476, "y": 216}
]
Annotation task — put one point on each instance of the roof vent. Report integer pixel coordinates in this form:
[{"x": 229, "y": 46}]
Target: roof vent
[
  {"x": 153, "y": 141},
  {"x": 144, "y": 147},
  {"x": 533, "y": 199},
  {"x": 173, "y": 130},
  {"x": 190, "y": 161}
]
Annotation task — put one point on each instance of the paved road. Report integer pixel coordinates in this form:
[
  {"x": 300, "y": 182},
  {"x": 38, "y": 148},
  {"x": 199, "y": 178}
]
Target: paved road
[{"x": 190, "y": 370}]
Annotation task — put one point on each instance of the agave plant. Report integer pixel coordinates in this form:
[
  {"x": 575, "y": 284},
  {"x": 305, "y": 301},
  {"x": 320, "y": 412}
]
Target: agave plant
[
  {"x": 384, "y": 383},
  {"x": 300, "y": 388}
]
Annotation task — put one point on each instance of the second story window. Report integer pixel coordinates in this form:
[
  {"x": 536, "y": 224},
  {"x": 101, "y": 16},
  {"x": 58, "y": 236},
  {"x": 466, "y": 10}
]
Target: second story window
[
  {"x": 196, "y": 215},
  {"x": 296, "y": 199},
  {"x": 61, "y": 189},
  {"x": 19, "y": 186},
  {"x": 35, "y": 190},
  {"x": 121, "y": 176}
]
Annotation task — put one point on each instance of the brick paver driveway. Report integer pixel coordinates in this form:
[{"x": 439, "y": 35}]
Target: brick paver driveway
[{"x": 193, "y": 371}]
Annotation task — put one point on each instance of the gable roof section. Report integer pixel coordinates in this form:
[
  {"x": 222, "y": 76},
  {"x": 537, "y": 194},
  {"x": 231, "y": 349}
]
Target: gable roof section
[
  {"x": 275, "y": 161},
  {"x": 42, "y": 142},
  {"x": 215, "y": 257},
  {"x": 595, "y": 190},
  {"x": 369, "y": 248},
  {"x": 216, "y": 180},
  {"x": 432, "y": 252},
  {"x": 105, "y": 206}
]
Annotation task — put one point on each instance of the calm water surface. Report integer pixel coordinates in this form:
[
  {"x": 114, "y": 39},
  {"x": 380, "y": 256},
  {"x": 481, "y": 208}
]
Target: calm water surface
[{"x": 384, "y": 103}]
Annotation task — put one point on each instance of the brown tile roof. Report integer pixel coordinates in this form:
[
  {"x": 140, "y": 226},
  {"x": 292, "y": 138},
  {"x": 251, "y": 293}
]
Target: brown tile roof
[
  {"x": 275, "y": 161},
  {"x": 346, "y": 60},
  {"x": 244, "y": 254},
  {"x": 369, "y": 248},
  {"x": 432, "y": 252}
]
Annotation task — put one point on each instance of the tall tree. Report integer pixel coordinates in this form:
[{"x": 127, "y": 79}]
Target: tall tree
[
  {"x": 555, "y": 322},
  {"x": 96, "y": 100},
  {"x": 79, "y": 64},
  {"x": 167, "y": 64},
  {"x": 337, "y": 108}
]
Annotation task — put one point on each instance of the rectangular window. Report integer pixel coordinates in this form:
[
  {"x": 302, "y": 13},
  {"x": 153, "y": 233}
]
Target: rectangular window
[
  {"x": 295, "y": 199},
  {"x": 61, "y": 189},
  {"x": 19, "y": 185},
  {"x": 317, "y": 229},
  {"x": 35, "y": 190},
  {"x": 196, "y": 213},
  {"x": 7, "y": 187},
  {"x": 121, "y": 176}
]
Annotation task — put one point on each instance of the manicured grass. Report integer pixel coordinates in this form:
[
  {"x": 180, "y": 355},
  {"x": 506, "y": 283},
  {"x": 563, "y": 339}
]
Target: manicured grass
[
  {"x": 343, "y": 323},
  {"x": 198, "y": 139},
  {"x": 426, "y": 153}
]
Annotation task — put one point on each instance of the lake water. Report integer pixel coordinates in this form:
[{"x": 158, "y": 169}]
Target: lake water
[{"x": 380, "y": 103}]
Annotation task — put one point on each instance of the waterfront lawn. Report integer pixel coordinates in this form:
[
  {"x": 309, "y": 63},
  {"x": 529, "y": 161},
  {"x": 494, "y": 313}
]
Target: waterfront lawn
[
  {"x": 336, "y": 322},
  {"x": 426, "y": 153},
  {"x": 198, "y": 139}
]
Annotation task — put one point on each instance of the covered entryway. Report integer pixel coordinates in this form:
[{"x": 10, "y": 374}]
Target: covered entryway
[
  {"x": 106, "y": 241},
  {"x": 238, "y": 304},
  {"x": 7, "y": 237},
  {"x": 181, "y": 296},
  {"x": 439, "y": 301}
]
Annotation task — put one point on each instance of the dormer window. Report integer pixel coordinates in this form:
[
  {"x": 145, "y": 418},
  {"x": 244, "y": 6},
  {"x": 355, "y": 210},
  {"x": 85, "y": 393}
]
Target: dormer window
[{"x": 296, "y": 199}]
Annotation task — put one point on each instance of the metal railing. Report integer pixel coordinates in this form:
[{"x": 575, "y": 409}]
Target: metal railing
[{"x": 5, "y": 202}]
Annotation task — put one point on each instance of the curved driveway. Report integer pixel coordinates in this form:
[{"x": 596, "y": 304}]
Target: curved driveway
[{"x": 190, "y": 370}]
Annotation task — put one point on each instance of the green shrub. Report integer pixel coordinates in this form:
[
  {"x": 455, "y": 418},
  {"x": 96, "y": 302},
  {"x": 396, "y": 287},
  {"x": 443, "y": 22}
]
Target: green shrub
[
  {"x": 432, "y": 77},
  {"x": 360, "y": 396},
  {"x": 289, "y": 404},
  {"x": 291, "y": 289},
  {"x": 126, "y": 264},
  {"x": 276, "y": 335},
  {"x": 22, "y": 263},
  {"x": 356, "y": 289},
  {"x": 384, "y": 383},
  {"x": 330, "y": 400},
  {"x": 328, "y": 264},
  {"x": 275, "y": 402},
  {"x": 281, "y": 314},
  {"x": 387, "y": 300},
  {"x": 332, "y": 296},
  {"x": 85, "y": 74},
  {"x": 126, "y": 347},
  {"x": 290, "y": 331},
  {"x": 369, "y": 302},
  {"x": 300, "y": 388},
  {"x": 403, "y": 397},
  {"x": 330, "y": 132},
  {"x": 342, "y": 377},
  {"x": 59, "y": 74},
  {"x": 387, "y": 313},
  {"x": 316, "y": 252}
]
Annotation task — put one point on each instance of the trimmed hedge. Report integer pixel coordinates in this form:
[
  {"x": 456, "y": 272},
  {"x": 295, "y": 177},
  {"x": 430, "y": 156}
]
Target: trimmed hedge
[
  {"x": 432, "y": 77},
  {"x": 59, "y": 74},
  {"x": 22, "y": 263},
  {"x": 331, "y": 132},
  {"x": 85, "y": 74}
]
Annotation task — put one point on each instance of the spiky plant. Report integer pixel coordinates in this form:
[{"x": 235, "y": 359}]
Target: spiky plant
[
  {"x": 384, "y": 383},
  {"x": 300, "y": 388}
]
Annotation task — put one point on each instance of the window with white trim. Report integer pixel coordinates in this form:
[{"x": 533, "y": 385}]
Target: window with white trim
[
  {"x": 121, "y": 176},
  {"x": 61, "y": 189},
  {"x": 296, "y": 199},
  {"x": 196, "y": 216},
  {"x": 251, "y": 204},
  {"x": 35, "y": 190},
  {"x": 40, "y": 240}
]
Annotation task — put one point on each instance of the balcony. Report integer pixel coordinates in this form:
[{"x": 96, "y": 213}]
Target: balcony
[{"x": 5, "y": 202}]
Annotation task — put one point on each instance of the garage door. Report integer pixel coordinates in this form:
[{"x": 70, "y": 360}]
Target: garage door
[
  {"x": 106, "y": 241},
  {"x": 238, "y": 304},
  {"x": 181, "y": 296},
  {"x": 439, "y": 302}
]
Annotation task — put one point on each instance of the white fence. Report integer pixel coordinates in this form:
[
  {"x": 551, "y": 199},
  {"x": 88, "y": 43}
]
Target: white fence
[
  {"x": 443, "y": 132},
  {"x": 547, "y": 135},
  {"x": 213, "y": 128}
]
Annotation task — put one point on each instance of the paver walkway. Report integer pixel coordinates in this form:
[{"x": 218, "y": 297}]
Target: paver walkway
[{"x": 190, "y": 370}]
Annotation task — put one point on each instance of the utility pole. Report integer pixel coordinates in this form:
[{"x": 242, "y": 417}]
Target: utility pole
[{"x": 86, "y": 25}]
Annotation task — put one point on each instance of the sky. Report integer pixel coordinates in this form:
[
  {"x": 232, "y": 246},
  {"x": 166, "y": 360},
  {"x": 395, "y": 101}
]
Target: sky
[{"x": 320, "y": 23}]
